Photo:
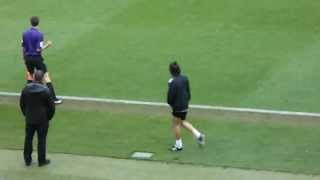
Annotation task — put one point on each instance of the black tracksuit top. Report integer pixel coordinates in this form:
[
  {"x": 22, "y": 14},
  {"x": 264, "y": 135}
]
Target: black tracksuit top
[{"x": 179, "y": 94}]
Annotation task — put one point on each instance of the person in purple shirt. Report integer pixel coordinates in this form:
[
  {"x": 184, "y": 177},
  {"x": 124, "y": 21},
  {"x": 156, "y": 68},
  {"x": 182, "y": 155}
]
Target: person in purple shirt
[{"x": 32, "y": 46}]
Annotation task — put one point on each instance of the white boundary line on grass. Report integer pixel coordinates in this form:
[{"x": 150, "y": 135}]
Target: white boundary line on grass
[{"x": 194, "y": 106}]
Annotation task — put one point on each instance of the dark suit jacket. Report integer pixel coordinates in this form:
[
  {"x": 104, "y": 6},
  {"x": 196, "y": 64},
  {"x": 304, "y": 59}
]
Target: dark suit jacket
[{"x": 37, "y": 104}]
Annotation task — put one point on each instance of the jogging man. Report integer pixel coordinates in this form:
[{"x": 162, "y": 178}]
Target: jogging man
[
  {"x": 178, "y": 98},
  {"x": 32, "y": 46},
  {"x": 38, "y": 108}
]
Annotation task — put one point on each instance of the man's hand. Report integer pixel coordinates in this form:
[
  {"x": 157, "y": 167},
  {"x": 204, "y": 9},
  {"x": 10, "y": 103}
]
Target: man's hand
[
  {"x": 46, "y": 45},
  {"x": 49, "y": 43}
]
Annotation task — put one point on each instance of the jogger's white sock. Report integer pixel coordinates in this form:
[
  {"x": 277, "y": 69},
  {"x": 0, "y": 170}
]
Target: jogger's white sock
[
  {"x": 196, "y": 133},
  {"x": 179, "y": 143}
]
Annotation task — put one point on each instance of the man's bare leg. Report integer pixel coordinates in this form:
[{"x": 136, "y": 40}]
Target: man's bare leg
[
  {"x": 200, "y": 137},
  {"x": 29, "y": 77},
  {"x": 47, "y": 80},
  {"x": 176, "y": 122}
]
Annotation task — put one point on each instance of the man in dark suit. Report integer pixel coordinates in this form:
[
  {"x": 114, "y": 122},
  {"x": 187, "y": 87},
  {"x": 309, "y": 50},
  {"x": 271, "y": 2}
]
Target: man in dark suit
[
  {"x": 178, "y": 98},
  {"x": 38, "y": 107}
]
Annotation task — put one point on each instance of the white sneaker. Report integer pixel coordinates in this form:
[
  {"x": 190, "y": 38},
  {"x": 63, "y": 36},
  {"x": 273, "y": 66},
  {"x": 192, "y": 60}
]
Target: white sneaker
[
  {"x": 176, "y": 148},
  {"x": 201, "y": 140},
  {"x": 58, "y": 101}
]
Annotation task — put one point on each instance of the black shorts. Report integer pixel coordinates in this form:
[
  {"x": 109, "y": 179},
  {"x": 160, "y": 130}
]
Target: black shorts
[
  {"x": 180, "y": 115},
  {"x": 35, "y": 62}
]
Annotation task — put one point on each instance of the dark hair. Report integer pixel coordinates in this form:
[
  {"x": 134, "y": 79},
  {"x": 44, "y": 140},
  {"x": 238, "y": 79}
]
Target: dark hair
[
  {"x": 174, "y": 69},
  {"x": 38, "y": 76},
  {"x": 34, "y": 21}
]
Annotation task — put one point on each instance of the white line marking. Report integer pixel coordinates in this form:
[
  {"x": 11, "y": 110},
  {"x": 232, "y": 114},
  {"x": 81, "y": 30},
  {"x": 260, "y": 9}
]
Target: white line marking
[{"x": 194, "y": 106}]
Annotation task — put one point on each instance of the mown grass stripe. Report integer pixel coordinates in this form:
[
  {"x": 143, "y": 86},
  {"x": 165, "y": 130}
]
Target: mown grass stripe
[{"x": 194, "y": 106}]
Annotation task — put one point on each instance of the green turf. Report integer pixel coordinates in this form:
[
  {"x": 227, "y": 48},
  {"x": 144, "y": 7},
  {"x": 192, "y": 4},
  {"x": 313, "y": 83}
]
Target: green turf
[
  {"x": 242, "y": 53},
  {"x": 266, "y": 145}
]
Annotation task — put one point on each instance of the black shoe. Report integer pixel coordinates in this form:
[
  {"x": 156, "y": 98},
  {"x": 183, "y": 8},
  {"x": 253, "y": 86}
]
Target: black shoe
[
  {"x": 44, "y": 163},
  {"x": 27, "y": 163},
  {"x": 176, "y": 149},
  {"x": 28, "y": 160}
]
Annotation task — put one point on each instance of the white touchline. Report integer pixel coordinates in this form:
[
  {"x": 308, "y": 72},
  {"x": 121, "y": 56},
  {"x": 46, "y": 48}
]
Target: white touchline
[{"x": 194, "y": 106}]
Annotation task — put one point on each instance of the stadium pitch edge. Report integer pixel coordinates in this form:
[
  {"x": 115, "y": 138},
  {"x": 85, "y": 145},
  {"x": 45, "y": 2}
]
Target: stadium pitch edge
[
  {"x": 67, "y": 166},
  {"x": 219, "y": 110}
]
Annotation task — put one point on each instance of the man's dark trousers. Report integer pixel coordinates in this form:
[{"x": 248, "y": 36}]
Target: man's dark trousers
[{"x": 42, "y": 131}]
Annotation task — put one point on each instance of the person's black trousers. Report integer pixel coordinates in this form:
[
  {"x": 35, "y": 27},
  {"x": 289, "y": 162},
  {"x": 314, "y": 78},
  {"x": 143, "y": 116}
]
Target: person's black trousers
[{"x": 42, "y": 131}]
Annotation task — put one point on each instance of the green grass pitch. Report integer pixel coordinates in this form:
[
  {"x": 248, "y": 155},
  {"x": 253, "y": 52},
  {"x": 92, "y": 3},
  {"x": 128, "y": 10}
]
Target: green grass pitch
[
  {"x": 244, "y": 53},
  {"x": 264, "y": 145},
  {"x": 260, "y": 54}
]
